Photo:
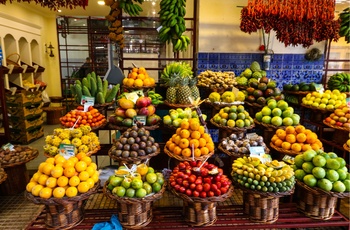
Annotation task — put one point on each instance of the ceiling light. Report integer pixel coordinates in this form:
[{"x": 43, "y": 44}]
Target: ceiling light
[
  {"x": 101, "y": 2},
  {"x": 59, "y": 11}
]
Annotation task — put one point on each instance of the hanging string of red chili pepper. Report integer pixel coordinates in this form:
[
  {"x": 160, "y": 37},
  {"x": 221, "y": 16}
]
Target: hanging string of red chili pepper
[
  {"x": 296, "y": 22},
  {"x": 53, "y": 5}
]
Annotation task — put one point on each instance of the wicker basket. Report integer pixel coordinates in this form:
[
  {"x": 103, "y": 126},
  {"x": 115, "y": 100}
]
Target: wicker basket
[
  {"x": 87, "y": 154},
  {"x": 219, "y": 105},
  {"x": 287, "y": 152},
  {"x": 336, "y": 127},
  {"x": 317, "y": 203},
  {"x": 132, "y": 160},
  {"x": 3, "y": 175},
  {"x": 178, "y": 105},
  {"x": 34, "y": 154},
  {"x": 269, "y": 126},
  {"x": 183, "y": 158},
  {"x": 124, "y": 128},
  {"x": 134, "y": 213},
  {"x": 237, "y": 155},
  {"x": 231, "y": 129},
  {"x": 201, "y": 211},
  {"x": 64, "y": 213},
  {"x": 262, "y": 207}
]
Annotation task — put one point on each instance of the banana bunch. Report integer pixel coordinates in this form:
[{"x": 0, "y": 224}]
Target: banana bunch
[
  {"x": 130, "y": 8},
  {"x": 345, "y": 24},
  {"x": 155, "y": 97},
  {"x": 171, "y": 16},
  {"x": 340, "y": 81},
  {"x": 181, "y": 69}
]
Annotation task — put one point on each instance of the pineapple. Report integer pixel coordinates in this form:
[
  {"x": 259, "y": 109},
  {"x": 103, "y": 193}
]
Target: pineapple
[
  {"x": 194, "y": 88},
  {"x": 184, "y": 92},
  {"x": 171, "y": 91}
]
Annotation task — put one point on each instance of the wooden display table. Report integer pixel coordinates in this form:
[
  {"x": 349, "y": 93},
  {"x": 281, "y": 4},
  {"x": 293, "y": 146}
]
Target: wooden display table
[{"x": 228, "y": 217}]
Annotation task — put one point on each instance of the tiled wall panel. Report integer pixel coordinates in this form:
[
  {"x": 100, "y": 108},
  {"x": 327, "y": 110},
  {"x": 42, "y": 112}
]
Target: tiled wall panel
[{"x": 284, "y": 68}]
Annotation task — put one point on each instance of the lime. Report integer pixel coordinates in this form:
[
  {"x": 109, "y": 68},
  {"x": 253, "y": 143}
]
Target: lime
[
  {"x": 342, "y": 174},
  {"x": 299, "y": 174},
  {"x": 319, "y": 161},
  {"x": 332, "y": 175},
  {"x": 309, "y": 154},
  {"x": 347, "y": 185},
  {"x": 141, "y": 192},
  {"x": 307, "y": 166},
  {"x": 341, "y": 161},
  {"x": 156, "y": 187},
  {"x": 339, "y": 186},
  {"x": 332, "y": 155},
  {"x": 319, "y": 172},
  {"x": 299, "y": 160},
  {"x": 130, "y": 192},
  {"x": 325, "y": 184},
  {"x": 136, "y": 183},
  {"x": 119, "y": 191},
  {"x": 332, "y": 163},
  {"x": 147, "y": 187},
  {"x": 310, "y": 180}
]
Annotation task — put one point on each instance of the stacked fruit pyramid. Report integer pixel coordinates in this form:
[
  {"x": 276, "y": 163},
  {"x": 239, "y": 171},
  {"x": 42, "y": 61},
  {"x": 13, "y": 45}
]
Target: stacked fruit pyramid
[
  {"x": 82, "y": 138},
  {"x": 190, "y": 140},
  {"x": 178, "y": 76},
  {"x": 262, "y": 184},
  {"x": 328, "y": 100},
  {"x": 138, "y": 78},
  {"x": 135, "y": 189},
  {"x": 201, "y": 185},
  {"x": 63, "y": 185},
  {"x": 260, "y": 90},
  {"x": 251, "y": 74},
  {"x": 134, "y": 146},
  {"x": 322, "y": 179},
  {"x": 129, "y": 108},
  {"x": 276, "y": 114},
  {"x": 233, "y": 118},
  {"x": 340, "y": 118},
  {"x": 295, "y": 140},
  {"x": 78, "y": 117}
]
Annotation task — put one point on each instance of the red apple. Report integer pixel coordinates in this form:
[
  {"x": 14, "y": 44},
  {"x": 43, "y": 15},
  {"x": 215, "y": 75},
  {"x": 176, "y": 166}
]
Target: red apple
[
  {"x": 203, "y": 194},
  {"x": 195, "y": 194},
  {"x": 143, "y": 102},
  {"x": 143, "y": 111},
  {"x": 206, "y": 187},
  {"x": 188, "y": 192}
]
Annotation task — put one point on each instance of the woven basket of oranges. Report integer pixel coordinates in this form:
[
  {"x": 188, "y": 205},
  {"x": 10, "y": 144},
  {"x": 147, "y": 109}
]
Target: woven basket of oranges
[
  {"x": 295, "y": 140},
  {"x": 190, "y": 141}
]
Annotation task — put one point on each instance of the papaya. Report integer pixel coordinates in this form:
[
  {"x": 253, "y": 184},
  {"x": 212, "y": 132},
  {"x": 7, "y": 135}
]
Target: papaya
[{"x": 126, "y": 103}]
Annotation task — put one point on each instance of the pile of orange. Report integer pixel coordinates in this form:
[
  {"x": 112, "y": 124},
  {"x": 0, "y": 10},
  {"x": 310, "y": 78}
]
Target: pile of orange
[
  {"x": 57, "y": 177},
  {"x": 138, "y": 77},
  {"x": 190, "y": 136},
  {"x": 297, "y": 139}
]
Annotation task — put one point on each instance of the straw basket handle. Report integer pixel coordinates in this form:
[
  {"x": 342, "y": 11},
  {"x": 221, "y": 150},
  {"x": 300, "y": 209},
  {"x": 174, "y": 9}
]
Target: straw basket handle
[{"x": 8, "y": 60}]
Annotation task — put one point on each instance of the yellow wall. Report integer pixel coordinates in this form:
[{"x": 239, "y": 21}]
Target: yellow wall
[
  {"x": 47, "y": 25},
  {"x": 219, "y": 30}
]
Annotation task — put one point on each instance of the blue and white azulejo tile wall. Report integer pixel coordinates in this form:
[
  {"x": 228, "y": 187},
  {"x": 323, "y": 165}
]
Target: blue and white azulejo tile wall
[{"x": 284, "y": 68}]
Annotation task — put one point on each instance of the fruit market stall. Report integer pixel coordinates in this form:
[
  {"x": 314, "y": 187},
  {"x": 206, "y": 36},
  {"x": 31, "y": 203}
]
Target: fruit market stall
[{"x": 13, "y": 160}]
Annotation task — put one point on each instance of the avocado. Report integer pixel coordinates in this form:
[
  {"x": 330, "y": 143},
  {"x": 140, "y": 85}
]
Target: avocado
[
  {"x": 257, "y": 93},
  {"x": 295, "y": 87},
  {"x": 276, "y": 92},
  {"x": 287, "y": 87},
  {"x": 254, "y": 84},
  {"x": 262, "y": 86},
  {"x": 305, "y": 87},
  {"x": 261, "y": 101},
  {"x": 312, "y": 86}
]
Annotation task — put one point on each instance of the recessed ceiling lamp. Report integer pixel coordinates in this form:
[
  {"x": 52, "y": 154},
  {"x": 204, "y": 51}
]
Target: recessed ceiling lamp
[
  {"x": 59, "y": 11},
  {"x": 101, "y": 2}
]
